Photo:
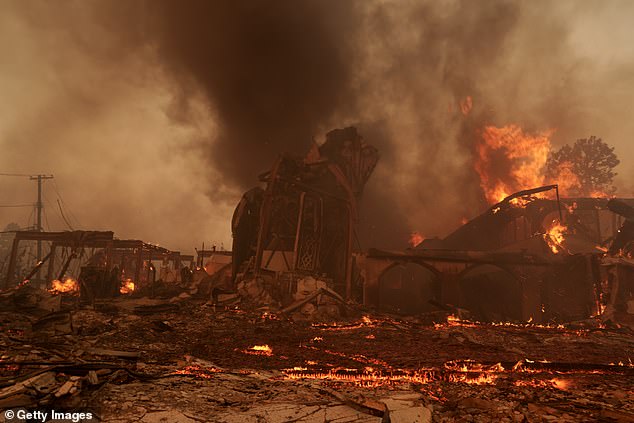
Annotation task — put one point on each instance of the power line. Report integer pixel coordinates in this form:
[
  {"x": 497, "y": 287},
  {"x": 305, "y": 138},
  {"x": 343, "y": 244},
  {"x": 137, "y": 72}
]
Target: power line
[
  {"x": 28, "y": 222},
  {"x": 69, "y": 211},
  {"x": 48, "y": 227},
  {"x": 62, "y": 213},
  {"x": 16, "y": 174}
]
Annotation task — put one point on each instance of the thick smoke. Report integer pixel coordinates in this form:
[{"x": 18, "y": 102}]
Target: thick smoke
[
  {"x": 168, "y": 111},
  {"x": 273, "y": 72},
  {"x": 84, "y": 99}
]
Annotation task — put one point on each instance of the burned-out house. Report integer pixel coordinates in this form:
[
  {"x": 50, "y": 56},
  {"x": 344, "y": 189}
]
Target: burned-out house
[
  {"x": 295, "y": 236},
  {"x": 515, "y": 261}
]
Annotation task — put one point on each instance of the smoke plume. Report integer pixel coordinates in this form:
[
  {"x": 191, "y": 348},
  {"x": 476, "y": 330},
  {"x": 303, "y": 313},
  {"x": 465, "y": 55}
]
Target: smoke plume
[{"x": 156, "y": 115}]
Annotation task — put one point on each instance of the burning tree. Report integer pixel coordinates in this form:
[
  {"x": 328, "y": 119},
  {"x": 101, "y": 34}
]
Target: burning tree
[{"x": 584, "y": 169}]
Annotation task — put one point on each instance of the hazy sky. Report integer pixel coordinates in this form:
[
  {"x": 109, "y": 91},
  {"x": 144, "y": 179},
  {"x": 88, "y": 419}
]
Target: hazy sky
[{"x": 154, "y": 123}]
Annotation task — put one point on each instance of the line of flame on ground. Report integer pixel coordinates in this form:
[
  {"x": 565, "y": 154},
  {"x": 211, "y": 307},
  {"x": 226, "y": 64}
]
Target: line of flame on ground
[
  {"x": 458, "y": 371},
  {"x": 197, "y": 371},
  {"x": 259, "y": 350},
  {"x": 364, "y": 322},
  {"x": 452, "y": 320},
  {"x": 455, "y": 372}
]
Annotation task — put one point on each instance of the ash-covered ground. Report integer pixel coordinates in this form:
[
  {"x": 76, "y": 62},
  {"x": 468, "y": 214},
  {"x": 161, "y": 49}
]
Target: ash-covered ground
[{"x": 183, "y": 360}]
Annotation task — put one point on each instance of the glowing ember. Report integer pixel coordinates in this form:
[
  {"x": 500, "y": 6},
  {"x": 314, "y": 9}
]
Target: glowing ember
[
  {"x": 562, "y": 384},
  {"x": 415, "y": 239},
  {"x": 554, "y": 236},
  {"x": 356, "y": 357},
  {"x": 523, "y": 157},
  {"x": 127, "y": 287},
  {"x": 197, "y": 371},
  {"x": 69, "y": 285},
  {"x": 364, "y": 322},
  {"x": 259, "y": 350}
]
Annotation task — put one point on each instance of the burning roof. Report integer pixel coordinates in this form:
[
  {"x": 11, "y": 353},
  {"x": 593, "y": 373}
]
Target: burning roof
[{"x": 524, "y": 221}]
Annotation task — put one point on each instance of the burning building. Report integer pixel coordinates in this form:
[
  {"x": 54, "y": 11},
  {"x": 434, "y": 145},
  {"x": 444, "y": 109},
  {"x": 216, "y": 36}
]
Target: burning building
[{"x": 527, "y": 258}]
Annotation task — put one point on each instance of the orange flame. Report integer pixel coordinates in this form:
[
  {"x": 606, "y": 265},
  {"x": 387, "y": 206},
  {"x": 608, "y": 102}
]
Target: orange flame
[
  {"x": 127, "y": 287},
  {"x": 554, "y": 236},
  {"x": 259, "y": 350},
  {"x": 197, "y": 371},
  {"x": 510, "y": 160},
  {"x": 415, "y": 238},
  {"x": 522, "y": 155},
  {"x": 69, "y": 285},
  {"x": 467, "y": 371},
  {"x": 566, "y": 178}
]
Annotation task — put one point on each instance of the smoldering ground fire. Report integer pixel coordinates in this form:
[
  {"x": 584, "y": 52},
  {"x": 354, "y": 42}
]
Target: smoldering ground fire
[{"x": 388, "y": 177}]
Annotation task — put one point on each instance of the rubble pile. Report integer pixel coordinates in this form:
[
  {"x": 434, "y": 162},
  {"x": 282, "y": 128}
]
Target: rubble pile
[{"x": 185, "y": 359}]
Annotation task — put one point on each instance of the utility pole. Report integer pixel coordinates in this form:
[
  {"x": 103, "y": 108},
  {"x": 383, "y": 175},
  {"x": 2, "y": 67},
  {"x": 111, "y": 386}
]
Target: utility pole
[{"x": 39, "y": 206}]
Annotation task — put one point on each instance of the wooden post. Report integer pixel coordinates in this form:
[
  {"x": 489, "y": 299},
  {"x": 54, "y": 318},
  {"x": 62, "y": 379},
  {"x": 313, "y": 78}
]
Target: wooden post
[
  {"x": 349, "y": 252},
  {"x": 51, "y": 264},
  {"x": 139, "y": 263},
  {"x": 11, "y": 269},
  {"x": 149, "y": 271}
]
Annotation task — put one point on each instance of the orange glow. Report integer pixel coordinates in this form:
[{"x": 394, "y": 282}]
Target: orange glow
[
  {"x": 562, "y": 384},
  {"x": 521, "y": 201},
  {"x": 554, "y": 236},
  {"x": 523, "y": 156},
  {"x": 466, "y": 105},
  {"x": 415, "y": 239},
  {"x": 566, "y": 178},
  {"x": 456, "y": 321},
  {"x": 127, "y": 287},
  {"x": 508, "y": 160},
  {"x": 468, "y": 372},
  {"x": 69, "y": 285},
  {"x": 203, "y": 373},
  {"x": 364, "y": 322},
  {"x": 259, "y": 350},
  {"x": 599, "y": 194}
]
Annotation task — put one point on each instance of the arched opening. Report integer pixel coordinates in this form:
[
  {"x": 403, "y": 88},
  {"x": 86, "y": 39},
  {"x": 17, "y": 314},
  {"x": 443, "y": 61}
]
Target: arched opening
[
  {"x": 491, "y": 293},
  {"x": 406, "y": 288}
]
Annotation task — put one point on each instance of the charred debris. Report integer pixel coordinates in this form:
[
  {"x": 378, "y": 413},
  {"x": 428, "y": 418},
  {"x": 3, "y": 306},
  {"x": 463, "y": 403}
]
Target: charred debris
[
  {"x": 523, "y": 313},
  {"x": 295, "y": 251},
  {"x": 527, "y": 258}
]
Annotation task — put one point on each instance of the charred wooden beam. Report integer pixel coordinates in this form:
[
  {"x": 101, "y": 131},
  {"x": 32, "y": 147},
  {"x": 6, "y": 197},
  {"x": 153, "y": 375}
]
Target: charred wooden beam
[{"x": 482, "y": 257}]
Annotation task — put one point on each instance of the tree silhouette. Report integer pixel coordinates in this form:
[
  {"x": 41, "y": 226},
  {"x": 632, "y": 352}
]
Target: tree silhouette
[{"x": 585, "y": 169}]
